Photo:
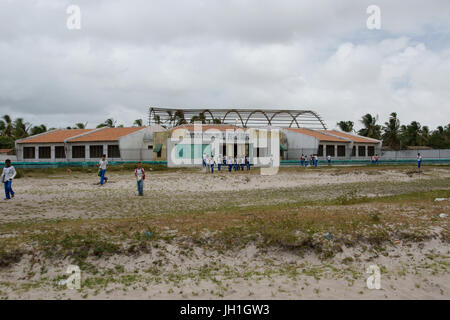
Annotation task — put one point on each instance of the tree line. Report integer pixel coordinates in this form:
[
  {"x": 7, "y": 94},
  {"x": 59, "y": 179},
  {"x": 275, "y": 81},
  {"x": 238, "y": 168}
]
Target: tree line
[
  {"x": 394, "y": 135},
  {"x": 400, "y": 136}
]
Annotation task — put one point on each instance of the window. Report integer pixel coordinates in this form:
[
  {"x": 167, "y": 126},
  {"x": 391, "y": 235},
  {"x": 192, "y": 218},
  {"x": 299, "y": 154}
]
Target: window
[
  {"x": 330, "y": 151},
  {"x": 45, "y": 152},
  {"x": 341, "y": 151},
  {"x": 95, "y": 151},
  {"x": 60, "y": 153},
  {"x": 114, "y": 151},
  {"x": 354, "y": 151},
  {"x": 224, "y": 150},
  {"x": 371, "y": 151},
  {"x": 158, "y": 149},
  {"x": 361, "y": 151},
  {"x": 78, "y": 152},
  {"x": 150, "y": 147},
  {"x": 28, "y": 152},
  {"x": 320, "y": 151}
]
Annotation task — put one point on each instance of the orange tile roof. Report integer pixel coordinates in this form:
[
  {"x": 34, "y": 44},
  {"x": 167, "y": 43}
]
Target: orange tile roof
[
  {"x": 57, "y": 136},
  {"x": 317, "y": 134},
  {"x": 106, "y": 134},
  {"x": 221, "y": 127},
  {"x": 354, "y": 138}
]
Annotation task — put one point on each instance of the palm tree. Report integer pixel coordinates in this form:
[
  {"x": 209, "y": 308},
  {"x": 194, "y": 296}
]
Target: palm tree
[
  {"x": 391, "y": 135},
  {"x": 110, "y": 123},
  {"x": 371, "y": 128},
  {"x": 346, "y": 126},
  {"x": 38, "y": 129},
  {"x": 412, "y": 134},
  {"x": 7, "y": 126},
  {"x": 20, "y": 128},
  {"x": 200, "y": 118},
  {"x": 179, "y": 118},
  {"x": 80, "y": 125},
  {"x": 138, "y": 123}
]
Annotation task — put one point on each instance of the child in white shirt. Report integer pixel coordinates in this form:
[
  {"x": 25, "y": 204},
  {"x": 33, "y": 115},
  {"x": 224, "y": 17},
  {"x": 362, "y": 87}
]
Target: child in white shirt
[
  {"x": 7, "y": 177},
  {"x": 139, "y": 173}
]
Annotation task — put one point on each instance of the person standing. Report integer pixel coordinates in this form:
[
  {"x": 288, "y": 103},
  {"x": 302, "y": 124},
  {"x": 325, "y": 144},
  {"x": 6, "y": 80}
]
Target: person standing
[
  {"x": 376, "y": 158},
  {"x": 8, "y": 174},
  {"x": 208, "y": 163},
  {"x": 419, "y": 160},
  {"x": 302, "y": 160},
  {"x": 316, "y": 160},
  {"x": 329, "y": 160},
  {"x": 247, "y": 163},
  {"x": 102, "y": 166},
  {"x": 219, "y": 162},
  {"x": 213, "y": 162},
  {"x": 139, "y": 173}
]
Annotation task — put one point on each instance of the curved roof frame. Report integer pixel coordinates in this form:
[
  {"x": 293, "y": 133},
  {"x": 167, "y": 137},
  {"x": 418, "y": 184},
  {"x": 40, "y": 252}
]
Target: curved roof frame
[{"x": 247, "y": 117}]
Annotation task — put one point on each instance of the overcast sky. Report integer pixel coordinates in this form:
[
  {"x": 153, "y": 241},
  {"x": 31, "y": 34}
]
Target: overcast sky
[{"x": 317, "y": 55}]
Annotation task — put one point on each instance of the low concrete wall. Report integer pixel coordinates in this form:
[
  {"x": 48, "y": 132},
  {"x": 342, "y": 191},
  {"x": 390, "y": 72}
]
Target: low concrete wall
[
  {"x": 3, "y": 157},
  {"x": 412, "y": 154}
]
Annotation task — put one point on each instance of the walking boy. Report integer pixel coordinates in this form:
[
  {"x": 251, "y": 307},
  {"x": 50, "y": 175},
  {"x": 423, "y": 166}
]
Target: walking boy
[
  {"x": 139, "y": 173},
  {"x": 7, "y": 177},
  {"x": 102, "y": 166}
]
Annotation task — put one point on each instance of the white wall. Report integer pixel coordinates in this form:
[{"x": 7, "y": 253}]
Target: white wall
[{"x": 299, "y": 143}]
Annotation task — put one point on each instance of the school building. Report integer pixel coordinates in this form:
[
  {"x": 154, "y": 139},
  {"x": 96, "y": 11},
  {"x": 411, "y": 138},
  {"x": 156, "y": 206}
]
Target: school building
[
  {"x": 185, "y": 145},
  {"x": 122, "y": 144},
  {"x": 337, "y": 144}
]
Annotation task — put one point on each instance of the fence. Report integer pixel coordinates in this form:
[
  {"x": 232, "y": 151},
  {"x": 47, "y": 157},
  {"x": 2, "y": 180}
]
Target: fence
[
  {"x": 67, "y": 164},
  {"x": 412, "y": 154}
]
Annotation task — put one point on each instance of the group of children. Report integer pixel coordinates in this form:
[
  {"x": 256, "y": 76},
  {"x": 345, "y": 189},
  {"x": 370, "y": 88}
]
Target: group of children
[
  {"x": 374, "y": 159},
  {"x": 233, "y": 163},
  {"x": 313, "y": 160},
  {"x": 139, "y": 174}
]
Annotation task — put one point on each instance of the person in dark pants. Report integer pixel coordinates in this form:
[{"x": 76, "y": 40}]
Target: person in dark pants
[
  {"x": 419, "y": 160},
  {"x": 7, "y": 177},
  {"x": 139, "y": 173},
  {"x": 102, "y": 166}
]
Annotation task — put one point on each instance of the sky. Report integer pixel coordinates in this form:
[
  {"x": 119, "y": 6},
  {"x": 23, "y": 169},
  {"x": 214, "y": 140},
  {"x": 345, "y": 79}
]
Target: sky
[{"x": 288, "y": 54}]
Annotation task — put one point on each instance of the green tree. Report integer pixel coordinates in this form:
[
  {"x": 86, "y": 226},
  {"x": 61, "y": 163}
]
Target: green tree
[
  {"x": 411, "y": 134},
  {"x": 391, "y": 135},
  {"x": 138, "y": 123},
  {"x": 80, "y": 125},
  {"x": 20, "y": 128},
  {"x": 346, "y": 126},
  {"x": 110, "y": 123},
  {"x": 38, "y": 129},
  {"x": 440, "y": 138},
  {"x": 7, "y": 126},
  {"x": 371, "y": 128}
]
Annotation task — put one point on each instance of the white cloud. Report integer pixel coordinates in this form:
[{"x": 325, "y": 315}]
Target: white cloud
[{"x": 217, "y": 53}]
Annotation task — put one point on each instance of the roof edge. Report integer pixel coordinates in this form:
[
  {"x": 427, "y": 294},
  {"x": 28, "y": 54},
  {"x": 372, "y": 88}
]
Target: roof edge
[
  {"x": 357, "y": 135},
  {"x": 37, "y": 135},
  {"x": 83, "y": 134}
]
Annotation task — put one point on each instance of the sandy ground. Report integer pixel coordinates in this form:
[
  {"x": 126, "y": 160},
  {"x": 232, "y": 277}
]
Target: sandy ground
[{"x": 418, "y": 270}]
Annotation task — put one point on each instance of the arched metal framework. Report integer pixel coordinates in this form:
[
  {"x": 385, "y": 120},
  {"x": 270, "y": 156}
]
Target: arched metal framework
[{"x": 251, "y": 118}]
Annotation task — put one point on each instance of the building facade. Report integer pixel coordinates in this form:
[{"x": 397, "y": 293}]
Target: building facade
[{"x": 122, "y": 144}]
